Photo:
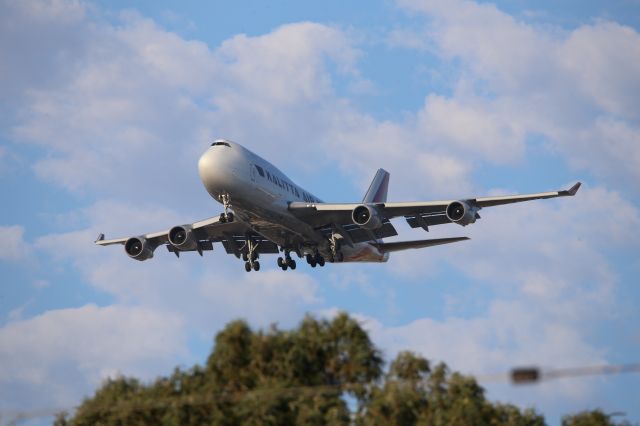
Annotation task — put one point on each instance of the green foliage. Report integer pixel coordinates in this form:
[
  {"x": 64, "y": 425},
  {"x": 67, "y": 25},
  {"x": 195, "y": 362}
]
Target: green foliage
[
  {"x": 414, "y": 394},
  {"x": 301, "y": 376},
  {"x": 591, "y": 418},
  {"x": 274, "y": 377}
]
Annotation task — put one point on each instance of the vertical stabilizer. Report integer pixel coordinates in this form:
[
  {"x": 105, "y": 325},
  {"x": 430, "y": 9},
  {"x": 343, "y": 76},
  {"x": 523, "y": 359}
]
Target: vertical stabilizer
[{"x": 377, "y": 192}]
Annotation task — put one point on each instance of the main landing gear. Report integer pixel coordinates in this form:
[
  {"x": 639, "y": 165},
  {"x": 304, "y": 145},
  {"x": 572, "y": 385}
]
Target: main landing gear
[
  {"x": 286, "y": 262},
  {"x": 334, "y": 244},
  {"x": 250, "y": 257},
  {"x": 314, "y": 260},
  {"x": 227, "y": 216}
]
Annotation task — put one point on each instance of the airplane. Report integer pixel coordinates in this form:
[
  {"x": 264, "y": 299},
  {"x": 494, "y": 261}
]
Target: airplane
[{"x": 266, "y": 213}]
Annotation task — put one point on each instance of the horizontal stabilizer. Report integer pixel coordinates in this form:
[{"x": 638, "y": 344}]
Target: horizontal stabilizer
[{"x": 405, "y": 245}]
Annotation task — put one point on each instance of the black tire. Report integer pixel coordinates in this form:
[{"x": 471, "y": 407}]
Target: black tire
[
  {"x": 245, "y": 257},
  {"x": 256, "y": 266},
  {"x": 313, "y": 263},
  {"x": 223, "y": 218},
  {"x": 292, "y": 264},
  {"x": 309, "y": 259},
  {"x": 284, "y": 267},
  {"x": 321, "y": 261},
  {"x": 280, "y": 262},
  {"x": 229, "y": 217},
  {"x": 247, "y": 266}
]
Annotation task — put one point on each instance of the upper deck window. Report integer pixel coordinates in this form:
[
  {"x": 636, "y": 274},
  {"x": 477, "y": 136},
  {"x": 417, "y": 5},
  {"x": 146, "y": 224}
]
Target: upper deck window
[{"x": 221, "y": 143}]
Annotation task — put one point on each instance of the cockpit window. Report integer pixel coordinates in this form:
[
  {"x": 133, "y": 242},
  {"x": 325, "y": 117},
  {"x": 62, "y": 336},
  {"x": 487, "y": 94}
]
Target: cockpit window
[{"x": 221, "y": 143}]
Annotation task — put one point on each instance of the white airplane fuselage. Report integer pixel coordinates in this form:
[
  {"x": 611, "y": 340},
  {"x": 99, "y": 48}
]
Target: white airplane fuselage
[{"x": 260, "y": 194}]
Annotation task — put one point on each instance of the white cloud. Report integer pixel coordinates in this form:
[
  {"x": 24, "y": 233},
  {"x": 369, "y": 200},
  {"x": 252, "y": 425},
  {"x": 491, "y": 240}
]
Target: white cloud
[
  {"x": 604, "y": 59},
  {"x": 574, "y": 87},
  {"x": 471, "y": 126},
  {"x": 59, "y": 356},
  {"x": 13, "y": 246},
  {"x": 556, "y": 253},
  {"x": 37, "y": 59},
  {"x": 142, "y": 94}
]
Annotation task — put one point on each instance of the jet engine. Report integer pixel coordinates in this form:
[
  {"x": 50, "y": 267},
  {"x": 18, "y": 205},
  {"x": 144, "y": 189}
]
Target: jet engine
[
  {"x": 462, "y": 213},
  {"x": 367, "y": 216},
  {"x": 182, "y": 238},
  {"x": 138, "y": 248}
]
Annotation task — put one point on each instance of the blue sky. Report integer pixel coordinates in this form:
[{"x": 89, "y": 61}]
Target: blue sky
[{"x": 105, "y": 108}]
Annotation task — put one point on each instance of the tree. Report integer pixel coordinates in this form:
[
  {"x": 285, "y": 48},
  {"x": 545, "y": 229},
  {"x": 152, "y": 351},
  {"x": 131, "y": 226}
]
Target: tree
[
  {"x": 591, "y": 418},
  {"x": 274, "y": 377},
  {"x": 413, "y": 393},
  {"x": 301, "y": 376}
]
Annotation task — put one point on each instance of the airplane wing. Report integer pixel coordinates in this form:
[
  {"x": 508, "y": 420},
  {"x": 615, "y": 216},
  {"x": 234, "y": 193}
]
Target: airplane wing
[
  {"x": 417, "y": 214},
  {"x": 198, "y": 236}
]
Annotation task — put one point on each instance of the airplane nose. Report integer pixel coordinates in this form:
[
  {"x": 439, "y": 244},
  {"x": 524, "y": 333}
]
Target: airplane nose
[
  {"x": 204, "y": 164},
  {"x": 216, "y": 171},
  {"x": 208, "y": 169}
]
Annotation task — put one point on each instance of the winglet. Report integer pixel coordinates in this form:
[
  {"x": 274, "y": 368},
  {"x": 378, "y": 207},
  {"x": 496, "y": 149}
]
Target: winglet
[
  {"x": 572, "y": 191},
  {"x": 100, "y": 238}
]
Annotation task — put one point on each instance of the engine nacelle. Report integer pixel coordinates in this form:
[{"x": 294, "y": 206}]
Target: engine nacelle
[
  {"x": 138, "y": 248},
  {"x": 182, "y": 238},
  {"x": 367, "y": 216},
  {"x": 462, "y": 213}
]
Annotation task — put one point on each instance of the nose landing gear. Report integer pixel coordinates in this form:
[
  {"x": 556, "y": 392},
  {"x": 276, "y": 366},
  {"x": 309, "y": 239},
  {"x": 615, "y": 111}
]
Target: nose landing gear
[{"x": 227, "y": 216}]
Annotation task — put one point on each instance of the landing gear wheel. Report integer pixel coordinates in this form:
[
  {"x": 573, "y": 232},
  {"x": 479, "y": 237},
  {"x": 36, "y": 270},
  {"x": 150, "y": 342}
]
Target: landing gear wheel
[
  {"x": 247, "y": 266},
  {"x": 292, "y": 264},
  {"x": 284, "y": 267},
  {"x": 309, "y": 259},
  {"x": 280, "y": 262},
  {"x": 254, "y": 256},
  {"x": 223, "y": 218},
  {"x": 320, "y": 260},
  {"x": 245, "y": 257},
  {"x": 256, "y": 266},
  {"x": 229, "y": 217}
]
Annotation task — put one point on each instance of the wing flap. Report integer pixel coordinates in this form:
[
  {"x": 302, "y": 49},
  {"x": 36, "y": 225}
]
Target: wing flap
[
  {"x": 234, "y": 244},
  {"x": 359, "y": 235},
  {"x": 424, "y": 221}
]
